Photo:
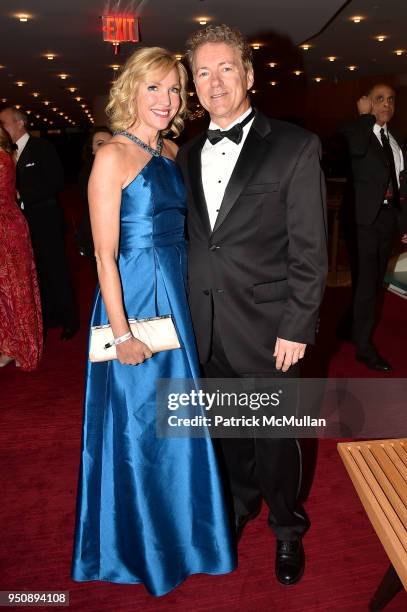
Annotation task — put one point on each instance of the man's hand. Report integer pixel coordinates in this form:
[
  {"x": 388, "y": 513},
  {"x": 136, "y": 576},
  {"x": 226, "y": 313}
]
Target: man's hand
[
  {"x": 365, "y": 105},
  {"x": 404, "y": 239},
  {"x": 288, "y": 353}
]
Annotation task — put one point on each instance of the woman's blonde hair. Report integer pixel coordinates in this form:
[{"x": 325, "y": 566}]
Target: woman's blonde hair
[{"x": 122, "y": 108}]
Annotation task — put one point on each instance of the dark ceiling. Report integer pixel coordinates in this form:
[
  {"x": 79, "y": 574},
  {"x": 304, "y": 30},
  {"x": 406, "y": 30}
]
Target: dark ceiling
[{"x": 72, "y": 30}]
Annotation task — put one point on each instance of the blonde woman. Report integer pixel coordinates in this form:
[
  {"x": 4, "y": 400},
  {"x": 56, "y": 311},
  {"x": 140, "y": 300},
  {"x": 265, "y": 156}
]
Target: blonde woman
[{"x": 150, "y": 510}]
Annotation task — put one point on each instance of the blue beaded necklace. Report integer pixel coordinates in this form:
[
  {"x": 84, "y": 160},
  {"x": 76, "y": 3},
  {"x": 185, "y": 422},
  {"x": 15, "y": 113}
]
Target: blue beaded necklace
[{"x": 155, "y": 152}]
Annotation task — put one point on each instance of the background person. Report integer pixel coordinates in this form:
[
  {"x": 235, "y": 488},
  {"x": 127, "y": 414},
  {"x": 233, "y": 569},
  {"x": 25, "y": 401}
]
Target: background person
[
  {"x": 378, "y": 212},
  {"x": 20, "y": 306},
  {"x": 39, "y": 179}
]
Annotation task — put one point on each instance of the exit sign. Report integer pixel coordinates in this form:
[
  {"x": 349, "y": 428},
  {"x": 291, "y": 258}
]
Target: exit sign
[{"x": 120, "y": 29}]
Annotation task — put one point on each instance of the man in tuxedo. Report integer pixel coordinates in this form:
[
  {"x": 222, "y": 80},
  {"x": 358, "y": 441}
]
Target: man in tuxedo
[
  {"x": 39, "y": 178},
  {"x": 377, "y": 211},
  {"x": 257, "y": 267}
]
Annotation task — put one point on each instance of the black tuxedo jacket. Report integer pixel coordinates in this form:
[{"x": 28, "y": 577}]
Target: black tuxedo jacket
[
  {"x": 39, "y": 174},
  {"x": 262, "y": 269},
  {"x": 371, "y": 172}
]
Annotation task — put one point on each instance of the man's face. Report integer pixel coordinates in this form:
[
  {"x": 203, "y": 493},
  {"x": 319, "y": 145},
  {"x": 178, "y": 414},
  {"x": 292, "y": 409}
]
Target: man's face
[
  {"x": 221, "y": 81},
  {"x": 12, "y": 125},
  {"x": 382, "y": 98}
]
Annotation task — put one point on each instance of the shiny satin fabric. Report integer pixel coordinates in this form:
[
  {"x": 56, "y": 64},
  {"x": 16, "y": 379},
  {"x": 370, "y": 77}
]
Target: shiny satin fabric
[{"x": 149, "y": 510}]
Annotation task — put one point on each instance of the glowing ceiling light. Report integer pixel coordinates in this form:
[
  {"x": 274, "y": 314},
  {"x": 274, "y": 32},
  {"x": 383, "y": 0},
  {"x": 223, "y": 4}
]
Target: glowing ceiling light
[
  {"x": 18, "y": 106},
  {"x": 352, "y": 68},
  {"x": 115, "y": 67},
  {"x": 331, "y": 58},
  {"x": 256, "y": 46},
  {"x": 272, "y": 64},
  {"x": 273, "y": 83},
  {"x": 35, "y": 94},
  {"x": 357, "y": 18},
  {"x": 381, "y": 37},
  {"x": 72, "y": 89},
  {"x": 50, "y": 56},
  {"x": 20, "y": 83},
  {"x": 23, "y": 18},
  {"x": 63, "y": 76},
  {"x": 306, "y": 47},
  {"x": 399, "y": 52},
  {"x": 297, "y": 72},
  {"x": 318, "y": 79},
  {"x": 46, "y": 103}
]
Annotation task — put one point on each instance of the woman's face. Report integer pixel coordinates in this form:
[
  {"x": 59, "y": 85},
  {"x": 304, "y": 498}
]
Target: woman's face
[
  {"x": 99, "y": 139},
  {"x": 158, "y": 100}
]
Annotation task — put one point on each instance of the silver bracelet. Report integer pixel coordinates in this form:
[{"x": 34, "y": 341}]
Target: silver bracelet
[{"x": 123, "y": 338}]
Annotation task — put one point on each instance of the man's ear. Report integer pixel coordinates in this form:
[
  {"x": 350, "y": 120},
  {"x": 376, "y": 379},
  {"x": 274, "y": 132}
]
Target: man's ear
[{"x": 250, "y": 78}]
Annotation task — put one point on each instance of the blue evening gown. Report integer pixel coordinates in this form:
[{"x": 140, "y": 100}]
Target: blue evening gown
[{"x": 150, "y": 510}]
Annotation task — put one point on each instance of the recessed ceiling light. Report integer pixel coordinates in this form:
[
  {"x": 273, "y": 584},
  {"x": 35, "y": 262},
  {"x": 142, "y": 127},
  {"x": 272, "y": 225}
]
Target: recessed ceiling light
[
  {"x": 45, "y": 119},
  {"x": 46, "y": 102},
  {"x": 55, "y": 108},
  {"x": 72, "y": 89},
  {"x": 331, "y": 58},
  {"x": 115, "y": 67},
  {"x": 381, "y": 37},
  {"x": 306, "y": 47},
  {"x": 63, "y": 76},
  {"x": 357, "y": 18},
  {"x": 203, "y": 20},
  {"x": 253, "y": 91},
  {"x": 60, "y": 113},
  {"x": 51, "y": 123},
  {"x": 4, "y": 100},
  {"x": 178, "y": 57},
  {"x": 50, "y": 56},
  {"x": 272, "y": 64},
  {"x": 37, "y": 116},
  {"x": 35, "y": 94},
  {"x": 400, "y": 52},
  {"x": 28, "y": 112},
  {"x": 23, "y": 18},
  {"x": 352, "y": 68},
  {"x": 83, "y": 105},
  {"x": 256, "y": 46},
  {"x": 318, "y": 79},
  {"x": 20, "y": 83},
  {"x": 1, "y": 67},
  {"x": 273, "y": 83},
  {"x": 297, "y": 72},
  {"x": 18, "y": 106}
]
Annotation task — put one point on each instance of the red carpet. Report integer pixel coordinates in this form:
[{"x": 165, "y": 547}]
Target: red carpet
[{"x": 40, "y": 429}]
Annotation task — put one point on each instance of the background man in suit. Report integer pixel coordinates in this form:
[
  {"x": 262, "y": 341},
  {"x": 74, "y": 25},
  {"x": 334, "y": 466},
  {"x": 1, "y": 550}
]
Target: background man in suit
[
  {"x": 257, "y": 266},
  {"x": 377, "y": 207},
  {"x": 39, "y": 179}
]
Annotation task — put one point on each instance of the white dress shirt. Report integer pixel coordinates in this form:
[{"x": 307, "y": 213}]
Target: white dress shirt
[
  {"x": 21, "y": 142},
  {"x": 217, "y": 164},
  {"x": 397, "y": 152}
]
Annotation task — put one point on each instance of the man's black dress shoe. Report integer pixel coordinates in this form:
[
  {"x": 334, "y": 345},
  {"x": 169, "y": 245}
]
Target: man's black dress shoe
[
  {"x": 68, "y": 332},
  {"x": 290, "y": 561},
  {"x": 374, "y": 362}
]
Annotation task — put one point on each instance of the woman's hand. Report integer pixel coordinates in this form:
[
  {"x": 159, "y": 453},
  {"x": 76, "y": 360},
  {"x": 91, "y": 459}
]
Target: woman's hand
[{"x": 133, "y": 352}]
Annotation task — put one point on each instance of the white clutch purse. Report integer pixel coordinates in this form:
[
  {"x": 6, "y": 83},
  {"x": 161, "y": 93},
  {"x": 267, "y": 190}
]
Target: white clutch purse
[{"x": 158, "y": 333}]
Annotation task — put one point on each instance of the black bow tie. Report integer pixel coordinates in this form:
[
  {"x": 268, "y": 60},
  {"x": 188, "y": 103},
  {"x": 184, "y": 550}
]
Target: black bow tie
[{"x": 235, "y": 134}]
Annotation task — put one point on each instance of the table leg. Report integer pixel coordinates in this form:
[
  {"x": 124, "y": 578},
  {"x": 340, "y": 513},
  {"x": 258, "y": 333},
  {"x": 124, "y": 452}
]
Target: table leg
[{"x": 388, "y": 588}]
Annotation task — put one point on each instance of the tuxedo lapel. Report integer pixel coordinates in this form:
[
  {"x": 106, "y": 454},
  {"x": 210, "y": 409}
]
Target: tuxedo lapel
[
  {"x": 195, "y": 179},
  {"x": 253, "y": 150}
]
